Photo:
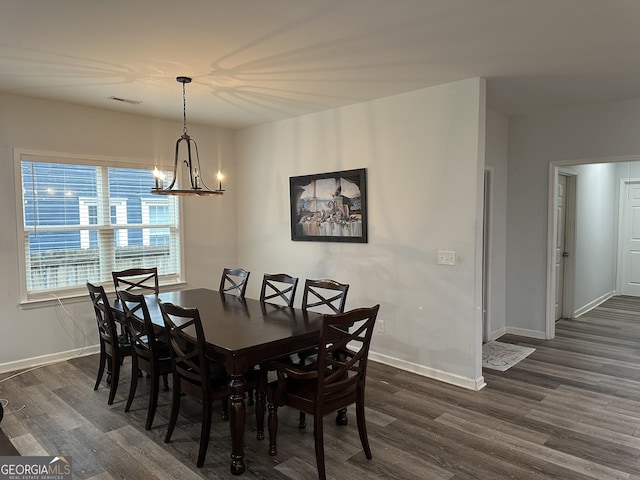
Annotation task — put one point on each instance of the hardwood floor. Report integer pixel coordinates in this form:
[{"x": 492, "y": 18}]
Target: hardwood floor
[{"x": 571, "y": 410}]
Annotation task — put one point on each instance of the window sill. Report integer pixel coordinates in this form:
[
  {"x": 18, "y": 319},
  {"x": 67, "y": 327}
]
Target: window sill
[{"x": 81, "y": 296}]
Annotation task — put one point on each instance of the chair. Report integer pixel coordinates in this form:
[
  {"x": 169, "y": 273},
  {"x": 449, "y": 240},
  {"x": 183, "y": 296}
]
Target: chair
[
  {"x": 234, "y": 280},
  {"x": 193, "y": 373},
  {"x": 149, "y": 354},
  {"x": 337, "y": 380},
  {"x": 143, "y": 280},
  {"x": 113, "y": 348},
  {"x": 278, "y": 287},
  {"x": 325, "y": 296}
]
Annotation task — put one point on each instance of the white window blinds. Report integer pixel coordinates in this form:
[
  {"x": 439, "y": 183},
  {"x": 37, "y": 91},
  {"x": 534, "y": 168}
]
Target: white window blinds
[{"x": 83, "y": 221}]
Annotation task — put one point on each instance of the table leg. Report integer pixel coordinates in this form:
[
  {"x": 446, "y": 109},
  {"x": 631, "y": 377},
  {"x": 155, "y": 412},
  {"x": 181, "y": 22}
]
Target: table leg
[{"x": 237, "y": 417}]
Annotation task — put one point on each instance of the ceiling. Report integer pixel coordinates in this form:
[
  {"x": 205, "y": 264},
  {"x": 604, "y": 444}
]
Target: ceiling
[{"x": 254, "y": 61}]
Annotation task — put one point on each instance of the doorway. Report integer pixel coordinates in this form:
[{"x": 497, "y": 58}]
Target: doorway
[
  {"x": 594, "y": 268},
  {"x": 560, "y": 246}
]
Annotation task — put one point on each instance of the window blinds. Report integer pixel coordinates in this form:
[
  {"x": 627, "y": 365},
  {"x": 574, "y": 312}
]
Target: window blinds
[{"x": 81, "y": 222}]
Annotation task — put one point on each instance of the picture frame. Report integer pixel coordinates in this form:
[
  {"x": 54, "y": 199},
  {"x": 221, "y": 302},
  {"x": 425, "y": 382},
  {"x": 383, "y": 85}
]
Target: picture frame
[{"x": 329, "y": 207}]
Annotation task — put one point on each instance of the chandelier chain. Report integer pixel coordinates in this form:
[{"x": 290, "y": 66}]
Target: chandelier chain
[{"x": 184, "y": 110}]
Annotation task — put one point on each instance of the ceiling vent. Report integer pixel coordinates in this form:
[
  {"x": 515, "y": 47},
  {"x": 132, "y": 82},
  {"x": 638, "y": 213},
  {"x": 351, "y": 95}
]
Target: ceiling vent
[{"x": 125, "y": 100}]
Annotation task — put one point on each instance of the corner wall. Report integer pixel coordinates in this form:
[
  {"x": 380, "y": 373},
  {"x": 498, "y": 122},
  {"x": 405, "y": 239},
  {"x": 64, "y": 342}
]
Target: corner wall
[{"x": 424, "y": 152}]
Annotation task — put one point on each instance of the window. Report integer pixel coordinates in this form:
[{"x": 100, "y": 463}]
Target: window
[{"x": 81, "y": 220}]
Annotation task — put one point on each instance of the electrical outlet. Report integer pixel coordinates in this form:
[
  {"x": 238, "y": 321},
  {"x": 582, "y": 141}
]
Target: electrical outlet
[
  {"x": 446, "y": 257},
  {"x": 381, "y": 326}
]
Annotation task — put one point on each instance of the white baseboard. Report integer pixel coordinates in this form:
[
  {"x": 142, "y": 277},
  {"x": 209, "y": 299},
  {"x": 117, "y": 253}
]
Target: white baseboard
[
  {"x": 525, "y": 332},
  {"x": 464, "y": 382},
  {"x": 591, "y": 305},
  {"x": 46, "y": 359}
]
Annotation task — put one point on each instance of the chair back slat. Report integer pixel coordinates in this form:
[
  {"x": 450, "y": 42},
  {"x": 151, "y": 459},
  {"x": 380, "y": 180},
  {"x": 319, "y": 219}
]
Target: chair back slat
[
  {"x": 139, "y": 324},
  {"x": 187, "y": 346},
  {"x": 104, "y": 314},
  {"x": 343, "y": 352},
  {"x": 138, "y": 279},
  {"x": 234, "y": 281},
  {"x": 278, "y": 287},
  {"x": 325, "y": 296}
]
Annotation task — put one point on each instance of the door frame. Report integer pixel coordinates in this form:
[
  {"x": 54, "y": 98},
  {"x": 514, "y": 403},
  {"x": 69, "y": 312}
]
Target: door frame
[
  {"x": 568, "y": 307},
  {"x": 555, "y": 170}
]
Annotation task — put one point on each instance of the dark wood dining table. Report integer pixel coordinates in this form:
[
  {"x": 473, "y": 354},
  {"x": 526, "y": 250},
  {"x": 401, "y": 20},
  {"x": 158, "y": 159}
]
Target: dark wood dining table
[{"x": 242, "y": 333}]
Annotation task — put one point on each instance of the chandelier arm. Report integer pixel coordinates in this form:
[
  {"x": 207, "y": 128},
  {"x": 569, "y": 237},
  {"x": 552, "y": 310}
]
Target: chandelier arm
[
  {"x": 175, "y": 168},
  {"x": 199, "y": 168},
  {"x": 193, "y": 178}
]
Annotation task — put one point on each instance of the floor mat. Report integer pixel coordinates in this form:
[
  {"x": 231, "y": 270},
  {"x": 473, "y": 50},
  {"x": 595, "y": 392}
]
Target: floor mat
[{"x": 503, "y": 356}]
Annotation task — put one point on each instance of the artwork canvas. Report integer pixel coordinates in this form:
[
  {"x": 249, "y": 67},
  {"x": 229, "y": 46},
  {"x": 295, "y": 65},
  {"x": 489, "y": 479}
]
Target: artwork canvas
[{"x": 329, "y": 207}]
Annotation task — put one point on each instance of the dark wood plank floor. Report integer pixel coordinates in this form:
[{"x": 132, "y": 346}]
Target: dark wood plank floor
[{"x": 571, "y": 410}]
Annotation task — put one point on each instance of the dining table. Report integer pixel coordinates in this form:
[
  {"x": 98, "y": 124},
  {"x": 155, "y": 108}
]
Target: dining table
[{"x": 241, "y": 333}]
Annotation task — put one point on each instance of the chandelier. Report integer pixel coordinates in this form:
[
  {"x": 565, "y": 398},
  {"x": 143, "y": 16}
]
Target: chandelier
[{"x": 191, "y": 162}]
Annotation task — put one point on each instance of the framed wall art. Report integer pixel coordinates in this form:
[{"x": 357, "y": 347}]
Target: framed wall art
[{"x": 329, "y": 207}]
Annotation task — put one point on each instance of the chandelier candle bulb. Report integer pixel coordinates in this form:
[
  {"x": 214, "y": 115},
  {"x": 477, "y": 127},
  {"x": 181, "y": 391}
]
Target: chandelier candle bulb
[
  {"x": 219, "y": 176},
  {"x": 156, "y": 174}
]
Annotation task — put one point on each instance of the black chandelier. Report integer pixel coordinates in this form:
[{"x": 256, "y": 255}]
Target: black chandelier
[{"x": 192, "y": 163}]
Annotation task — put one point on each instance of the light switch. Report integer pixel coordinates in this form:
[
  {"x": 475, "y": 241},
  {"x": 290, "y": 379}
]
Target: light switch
[{"x": 446, "y": 257}]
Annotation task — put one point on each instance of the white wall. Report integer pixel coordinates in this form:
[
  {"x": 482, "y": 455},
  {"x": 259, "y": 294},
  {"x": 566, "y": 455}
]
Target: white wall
[
  {"x": 209, "y": 223},
  {"x": 424, "y": 154},
  {"x": 596, "y": 131},
  {"x": 596, "y": 233},
  {"x": 496, "y": 158}
]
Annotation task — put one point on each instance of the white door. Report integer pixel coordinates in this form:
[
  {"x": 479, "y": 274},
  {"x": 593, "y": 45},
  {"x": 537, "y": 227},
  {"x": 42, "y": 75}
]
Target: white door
[
  {"x": 630, "y": 239},
  {"x": 561, "y": 229}
]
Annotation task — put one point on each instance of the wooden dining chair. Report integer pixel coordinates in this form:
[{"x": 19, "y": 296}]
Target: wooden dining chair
[
  {"x": 149, "y": 354},
  {"x": 140, "y": 280},
  {"x": 234, "y": 281},
  {"x": 323, "y": 296},
  {"x": 337, "y": 380},
  {"x": 278, "y": 288},
  {"x": 193, "y": 372},
  {"x": 114, "y": 348}
]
